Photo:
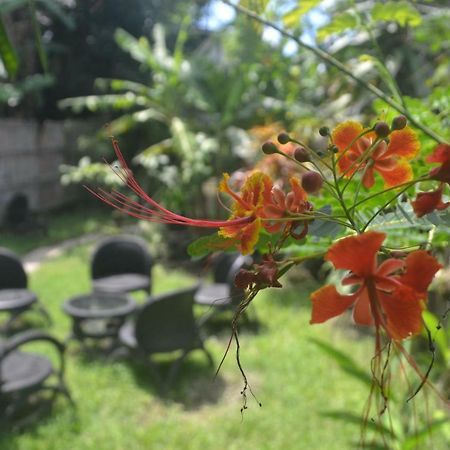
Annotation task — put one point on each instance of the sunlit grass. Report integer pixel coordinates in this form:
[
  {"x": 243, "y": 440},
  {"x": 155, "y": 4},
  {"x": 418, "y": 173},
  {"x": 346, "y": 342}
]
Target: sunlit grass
[{"x": 119, "y": 407}]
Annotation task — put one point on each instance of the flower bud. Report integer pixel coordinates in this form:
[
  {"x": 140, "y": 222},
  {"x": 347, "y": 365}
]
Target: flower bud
[
  {"x": 399, "y": 122},
  {"x": 269, "y": 148},
  {"x": 333, "y": 149},
  {"x": 283, "y": 138},
  {"x": 324, "y": 131},
  {"x": 312, "y": 182},
  {"x": 301, "y": 154},
  {"x": 381, "y": 129}
]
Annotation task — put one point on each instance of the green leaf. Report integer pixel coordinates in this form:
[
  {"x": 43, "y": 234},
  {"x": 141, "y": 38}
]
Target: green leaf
[
  {"x": 7, "y": 53},
  {"x": 293, "y": 17},
  {"x": 339, "y": 23},
  {"x": 57, "y": 11},
  {"x": 257, "y": 6},
  {"x": 412, "y": 442},
  {"x": 357, "y": 420},
  {"x": 10, "y": 5},
  {"x": 208, "y": 244},
  {"x": 402, "y": 12},
  {"x": 346, "y": 363},
  {"x": 439, "y": 335}
]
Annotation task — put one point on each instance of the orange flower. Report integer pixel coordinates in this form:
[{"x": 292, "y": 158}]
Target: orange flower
[
  {"x": 389, "y": 160},
  {"x": 441, "y": 154},
  {"x": 427, "y": 202},
  {"x": 260, "y": 201},
  {"x": 285, "y": 205},
  {"x": 250, "y": 202},
  {"x": 394, "y": 302}
]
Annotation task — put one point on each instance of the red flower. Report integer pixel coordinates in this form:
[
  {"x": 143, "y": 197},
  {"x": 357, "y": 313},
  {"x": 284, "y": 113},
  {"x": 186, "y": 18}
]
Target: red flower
[
  {"x": 285, "y": 205},
  {"x": 394, "y": 302},
  {"x": 441, "y": 154},
  {"x": 427, "y": 202},
  {"x": 263, "y": 201},
  {"x": 389, "y": 160},
  {"x": 250, "y": 202}
]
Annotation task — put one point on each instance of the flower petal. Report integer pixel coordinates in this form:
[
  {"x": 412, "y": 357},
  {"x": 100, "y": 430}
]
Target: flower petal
[
  {"x": 368, "y": 179},
  {"x": 249, "y": 236},
  {"x": 427, "y": 202},
  {"x": 403, "y": 143},
  {"x": 389, "y": 266},
  {"x": 403, "y": 312},
  {"x": 420, "y": 270},
  {"x": 343, "y": 135},
  {"x": 441, "y": 173},
  {"x": 401, "y": 173},
  {"x": 357, "y": 253},
  {"x": 362, "y": 314},
  {"x": 441, "y": 154},
  {"x": 328, "y": 303}
]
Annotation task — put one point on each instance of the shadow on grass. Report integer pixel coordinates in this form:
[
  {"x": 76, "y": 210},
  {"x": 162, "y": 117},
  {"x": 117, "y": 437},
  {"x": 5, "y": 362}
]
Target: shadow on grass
[
  {"x": 37, "y": 417},
  {"x": 194, "y": 387}
]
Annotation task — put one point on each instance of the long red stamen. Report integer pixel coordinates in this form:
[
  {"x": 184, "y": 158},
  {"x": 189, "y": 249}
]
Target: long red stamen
[{"x": 155, "y": 213}]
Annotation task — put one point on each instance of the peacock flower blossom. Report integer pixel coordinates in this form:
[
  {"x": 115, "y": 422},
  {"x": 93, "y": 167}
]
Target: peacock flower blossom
[
  {"x": 390, "y": 160},
  {"x": 427, "y": 202},
  {"x": 248, "y": 204},
  {"x": 390, "y": 295},
  {"x": 284, "y": 205}
]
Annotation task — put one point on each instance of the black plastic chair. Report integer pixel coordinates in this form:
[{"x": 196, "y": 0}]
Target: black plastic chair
[
  {"x": 15, "y": 298},
  {"x": 121, "y": 264},
  {"x": 165, "y": 323},
  {"x": 26, "y": 376},
  {"x": 222, "y": 294}
]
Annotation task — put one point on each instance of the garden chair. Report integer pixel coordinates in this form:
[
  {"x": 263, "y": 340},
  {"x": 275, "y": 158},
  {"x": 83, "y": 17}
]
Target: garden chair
[
  {"x": 164, "y": 324},
  {"x": 26, "y": 376},
  {"x": 222, "y": 294},
  {"x": 121, "y": 264},
  {"x": 15, "y": 298}
]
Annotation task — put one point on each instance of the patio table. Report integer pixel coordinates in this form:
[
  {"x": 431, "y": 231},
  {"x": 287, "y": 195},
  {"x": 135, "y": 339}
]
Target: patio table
[
  {"x": 15, "y": 301},
  {"x": 98, "y": 315}
]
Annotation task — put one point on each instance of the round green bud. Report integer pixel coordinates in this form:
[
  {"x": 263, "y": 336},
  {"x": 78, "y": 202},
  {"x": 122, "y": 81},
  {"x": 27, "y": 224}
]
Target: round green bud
[
  {"x": 301, "y": 154},
  {"x": 381, "y": 129},
  {"x": 283, "y": 138},
  {"x": 399, "y": 122},
  {"x": 324, "y": 131},
  {"x": 312, "y": 182},
  {"x": 269, "y": 148}
]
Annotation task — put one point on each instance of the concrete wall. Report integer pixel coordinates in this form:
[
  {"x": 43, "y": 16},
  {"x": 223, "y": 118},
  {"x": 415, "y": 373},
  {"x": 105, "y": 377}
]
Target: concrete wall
[{"x": 30, "y": 156}]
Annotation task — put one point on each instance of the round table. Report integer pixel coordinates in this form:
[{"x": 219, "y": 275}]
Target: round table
[
  {"x": 98, "y": 315},
  {"x": 16, "y": 299}
]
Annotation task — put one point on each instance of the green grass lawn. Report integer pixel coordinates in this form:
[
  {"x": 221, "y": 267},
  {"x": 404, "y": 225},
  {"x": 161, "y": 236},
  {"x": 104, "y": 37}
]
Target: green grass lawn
[{"x": 119, "y": 407}]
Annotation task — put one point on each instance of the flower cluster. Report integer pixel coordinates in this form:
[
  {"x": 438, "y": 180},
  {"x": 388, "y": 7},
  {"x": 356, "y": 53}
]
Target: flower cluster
[{"x": 386, "y": 292}]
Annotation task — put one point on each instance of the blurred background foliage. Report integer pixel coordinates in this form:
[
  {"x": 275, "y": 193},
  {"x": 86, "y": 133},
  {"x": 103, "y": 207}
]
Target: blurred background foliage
[{"x": 192, "y": 89}]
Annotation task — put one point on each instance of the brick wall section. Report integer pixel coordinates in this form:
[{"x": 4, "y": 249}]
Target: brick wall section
[{"x": 30, "y": 156}]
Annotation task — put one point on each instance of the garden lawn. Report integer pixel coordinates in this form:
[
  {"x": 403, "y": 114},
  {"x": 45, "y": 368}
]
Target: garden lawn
[{"x": 119, "y": 407}]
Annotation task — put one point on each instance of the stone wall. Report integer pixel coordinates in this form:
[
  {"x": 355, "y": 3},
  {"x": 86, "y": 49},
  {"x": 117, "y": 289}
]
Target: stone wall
[{"x": 30, "y": 156}]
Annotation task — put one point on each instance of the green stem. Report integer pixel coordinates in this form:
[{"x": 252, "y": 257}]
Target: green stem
[
  {"x": 382, "y": 208},
  {"x": 408, "y": 184},
  {"x": 340, "y": 196},
  {"x": 342, "y": 68}
]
